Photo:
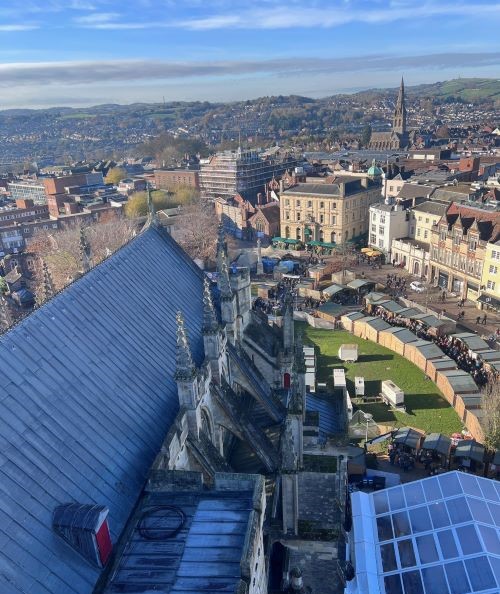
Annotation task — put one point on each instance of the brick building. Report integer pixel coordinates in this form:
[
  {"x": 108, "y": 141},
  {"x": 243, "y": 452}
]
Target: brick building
[{"x": 169, "y": 179}]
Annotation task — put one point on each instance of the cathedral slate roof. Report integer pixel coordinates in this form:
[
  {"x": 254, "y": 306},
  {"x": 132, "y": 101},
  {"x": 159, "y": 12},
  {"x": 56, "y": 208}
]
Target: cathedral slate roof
[{"x": 87, "y": 396}]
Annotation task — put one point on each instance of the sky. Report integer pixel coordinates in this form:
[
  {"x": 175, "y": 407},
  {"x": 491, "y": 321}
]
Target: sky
[{"x": 87, "y": 52}]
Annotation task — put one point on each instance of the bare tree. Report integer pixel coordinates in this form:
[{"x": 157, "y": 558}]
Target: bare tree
[
  {"x": 491, "y": 417},
  {"x": 196, "y": 231},
  {"x": 61, "y": 252}
]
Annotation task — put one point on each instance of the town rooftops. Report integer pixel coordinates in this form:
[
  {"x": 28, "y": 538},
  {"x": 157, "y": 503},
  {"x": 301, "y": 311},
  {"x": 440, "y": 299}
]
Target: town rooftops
[
  {"x": 342, "y": 186},
  {"x": 432, "y": 207},
  {"x": 409, "y": 191},
  {"x": 87, "y": 396}
]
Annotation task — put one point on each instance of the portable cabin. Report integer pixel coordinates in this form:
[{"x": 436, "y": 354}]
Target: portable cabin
[
  {"x": 392, "y": 394},
  {"x": 348, "y": 352}
]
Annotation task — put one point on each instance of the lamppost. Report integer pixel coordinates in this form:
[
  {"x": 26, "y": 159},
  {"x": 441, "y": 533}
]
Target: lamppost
[{"x": 367, "y": 417}]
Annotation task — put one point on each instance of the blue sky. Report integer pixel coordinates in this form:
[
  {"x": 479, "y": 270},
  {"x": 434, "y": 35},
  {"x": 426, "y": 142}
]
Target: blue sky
[{"x": 84, "y": 52}]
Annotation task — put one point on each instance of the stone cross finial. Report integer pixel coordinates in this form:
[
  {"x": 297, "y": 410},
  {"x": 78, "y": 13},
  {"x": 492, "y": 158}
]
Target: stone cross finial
[
  {"x": 185, "y": 369},
  {"x": 48, "y": 285},
  {"x": 210, "y": 323}
]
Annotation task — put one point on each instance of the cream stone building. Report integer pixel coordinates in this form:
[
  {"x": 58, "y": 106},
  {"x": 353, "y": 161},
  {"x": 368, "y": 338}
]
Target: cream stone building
[
  {"x": 490, "y": 280},
  {"x": 331, "y": 213}
]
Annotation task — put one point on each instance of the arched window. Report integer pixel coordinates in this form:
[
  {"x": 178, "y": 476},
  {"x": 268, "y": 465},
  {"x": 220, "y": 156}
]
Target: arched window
[
  {"x": 321, "y": 235},
  {"x": 287, "y": 232},
  {"x": 346, "y": 235},
  {"x": 206, "y": 424},
  {"x": 333, "y": 237},
  {"x": 297, "y": 233}
]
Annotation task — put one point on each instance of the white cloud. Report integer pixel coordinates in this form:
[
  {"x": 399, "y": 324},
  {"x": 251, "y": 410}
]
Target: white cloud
[
  {"x": 17, "y": 27},
  {"x": 96, "y": 18}
]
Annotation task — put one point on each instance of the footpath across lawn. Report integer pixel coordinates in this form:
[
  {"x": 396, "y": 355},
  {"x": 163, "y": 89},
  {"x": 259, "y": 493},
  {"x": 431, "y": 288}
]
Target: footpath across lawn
[{"x": 426, "y": 408}]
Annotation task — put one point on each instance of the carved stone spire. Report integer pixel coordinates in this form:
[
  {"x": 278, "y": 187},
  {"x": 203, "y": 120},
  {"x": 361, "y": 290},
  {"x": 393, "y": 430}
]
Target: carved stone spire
[
  {"x": 185, "y": 369},
  {"x": 226, "y": 292},
  {"x": 152, "y": 216},
  {"x": 84, "y": 252},
  {"x": 5, "y": 315},
  {"x": 210, "y": 323},
  {"x": 48, "y": 290},
  {"x": 300, "y": 363}
]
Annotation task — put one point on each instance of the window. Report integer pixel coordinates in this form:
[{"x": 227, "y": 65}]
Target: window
[
  {"x": 287, "y": 202},
  {"x": 472, "y": 243},
  {"x": 418, "y": 232},
  {"x": 374, "y": 228},
  {"x": 426, "y": 233},
  {"x": 26, "y": 230},
  {"x": 309, "y": 204},
  {"x": 419, "y": 218},
  {"x": 373, "y": 239},
  {"x": 322, "y": 205},
  {"x": 427, "y": 220},
  {"x": 334, "y": 205},
  {"x": 374, "y": 216},
  {"x": 380, "y": 243},
  {"x": 495, "y": 255},
  {"x": 298, "y": 216},
  {"x": 442, "y": 235},
  {"x": 287, "y": 215},
  {"x": 321, "y": 218},
  {"x": 493, "y": 269},
  {"x": 490, "y": 285},
  {"x": 298, "y": 203},
  {"x": 382, "y": 219},
  {"x": 334, "y": 220},
  {"x": 381, "y": 230}
]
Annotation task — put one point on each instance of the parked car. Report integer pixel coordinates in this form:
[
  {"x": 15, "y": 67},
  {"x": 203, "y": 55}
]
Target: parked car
[{"x": 417, "y": 286}]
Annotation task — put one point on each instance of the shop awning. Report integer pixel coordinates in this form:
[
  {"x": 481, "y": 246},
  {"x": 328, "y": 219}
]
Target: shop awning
[
  {"x": 285, "y": 240},
  {"x": 490, "y": 301},
  {"x": 366, "y": 250},
  {"x": 437, "y": 442},
  {"x": 470, "y": 448}
]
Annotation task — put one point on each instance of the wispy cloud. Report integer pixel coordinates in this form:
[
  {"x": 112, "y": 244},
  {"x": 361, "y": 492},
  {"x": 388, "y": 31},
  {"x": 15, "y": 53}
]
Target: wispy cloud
[
  {"x": 286, "y": 16},
  {"x": 107, "y": 72},
  {"x": 6, "y": 28},
  {"x": 96, "y": 18}
]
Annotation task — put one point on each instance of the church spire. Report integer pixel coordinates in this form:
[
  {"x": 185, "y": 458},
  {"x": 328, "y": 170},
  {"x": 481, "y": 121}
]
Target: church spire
[
  {"x": 210, "y": 323},
  {"x": 184, "y": 369},
  {"x": 399, "y": 120}
]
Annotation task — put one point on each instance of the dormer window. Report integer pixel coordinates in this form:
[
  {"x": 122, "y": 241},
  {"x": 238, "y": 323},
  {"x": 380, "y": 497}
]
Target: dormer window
[
  {"x": 473, "y": 243},
  {"x": 85, "y": 528},
  {"x": 457, "y": 238},
  {"x": 442, "y": 234}
]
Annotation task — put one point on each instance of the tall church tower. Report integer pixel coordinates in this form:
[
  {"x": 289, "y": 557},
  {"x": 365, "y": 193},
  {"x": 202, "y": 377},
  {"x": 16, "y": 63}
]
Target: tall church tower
[{"x": 399, "y": 120}]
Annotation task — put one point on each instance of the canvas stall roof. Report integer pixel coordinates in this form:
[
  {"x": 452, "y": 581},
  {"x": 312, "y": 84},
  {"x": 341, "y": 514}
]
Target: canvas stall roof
[
  {"x": 409, "y": 312},
  {"x": 444, "y": 363},
  {"x": 429, "y": 320},
  {"x": 472, "y": 342},
  {"x": 376, "y": 297},
  {"x": 430, "y": 350},
  {"x": 471, "y": 400},
  {"x": 470, "y": 448},
  {"x": 438, "y": 535},
  {"x": 359, "y": 283},
  {"x": 461, "y": 381},
  {"x": 87, "y": 395},
  {"x": 355, "y": 315},
  {"x": 408, "y": 437},
  {"x": 185, "y": 542},
  {"x": 437, "y": 442},
  {"x": 404, "y": 335},
  {"x": 332, "y": 289},
  {"x": 491, "y": 356},
  {"x": 378, "y": 324},
  {"x": 332, "y": 309},
  {"x": 391, "y": 306}
]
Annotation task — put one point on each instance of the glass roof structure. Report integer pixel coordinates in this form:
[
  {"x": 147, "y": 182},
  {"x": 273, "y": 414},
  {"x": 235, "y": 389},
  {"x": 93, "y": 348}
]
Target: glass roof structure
[{"x": 439, "y": 535}]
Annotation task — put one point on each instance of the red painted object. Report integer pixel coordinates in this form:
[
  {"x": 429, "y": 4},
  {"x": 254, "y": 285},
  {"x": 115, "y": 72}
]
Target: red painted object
[
  {"x": 286, "y": 380},
  {"x": 104, "y": 544}
]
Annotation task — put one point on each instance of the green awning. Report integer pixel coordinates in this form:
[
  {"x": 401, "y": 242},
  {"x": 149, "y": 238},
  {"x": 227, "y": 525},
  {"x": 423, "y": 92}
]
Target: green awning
[
  {"x": 285, "y": 240},
  {"x": 322, "y": 244}
]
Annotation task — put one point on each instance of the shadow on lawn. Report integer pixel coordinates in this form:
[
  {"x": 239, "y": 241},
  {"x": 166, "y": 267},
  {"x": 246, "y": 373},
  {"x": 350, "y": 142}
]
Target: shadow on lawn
[
  {"x": 371, "y": 358},
  {"x": 424, "y": 401}
]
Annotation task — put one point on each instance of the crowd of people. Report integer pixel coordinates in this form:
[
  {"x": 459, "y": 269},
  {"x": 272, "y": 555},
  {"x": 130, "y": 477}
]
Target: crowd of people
[
  {"x": 396, "y": 285},
  {"x": 453, "y": 347}
]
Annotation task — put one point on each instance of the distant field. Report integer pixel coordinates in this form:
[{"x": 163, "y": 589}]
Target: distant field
[
  {"x": 78, "y": 116},
  {"x": 426, "y": 408}
]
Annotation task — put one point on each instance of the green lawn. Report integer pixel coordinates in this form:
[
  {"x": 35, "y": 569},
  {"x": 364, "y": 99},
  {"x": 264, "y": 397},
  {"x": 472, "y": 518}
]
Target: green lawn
[{"x": 426, "y": 408}]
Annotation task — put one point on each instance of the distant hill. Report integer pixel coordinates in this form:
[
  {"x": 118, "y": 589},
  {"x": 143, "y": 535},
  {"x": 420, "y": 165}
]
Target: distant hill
[{"x": 462, "y": 89}]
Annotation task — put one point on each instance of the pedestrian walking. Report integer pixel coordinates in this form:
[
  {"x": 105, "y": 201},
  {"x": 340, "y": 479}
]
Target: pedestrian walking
[
  {"x": 484, "y": 320},
  {"x": 478, "y": 319}
]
